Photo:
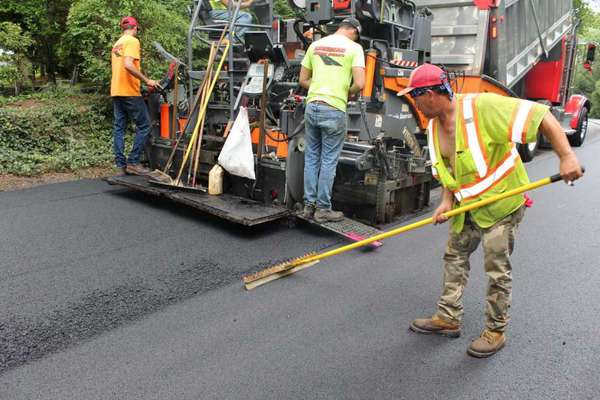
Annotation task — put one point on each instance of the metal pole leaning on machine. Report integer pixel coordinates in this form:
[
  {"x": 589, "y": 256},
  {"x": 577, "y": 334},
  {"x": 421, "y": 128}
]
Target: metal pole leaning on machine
[
  {"x": 196, "y": 158},
  {"x": 286, "y": 268},
  {"x": 204, "y": 92},
  {"x": 164, "y": 174},
  {"x": 204, "y": 101},
  {"x": 201, "y": 113}
]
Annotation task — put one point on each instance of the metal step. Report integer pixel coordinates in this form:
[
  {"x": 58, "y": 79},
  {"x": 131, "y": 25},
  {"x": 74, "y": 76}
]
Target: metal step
[
  {"x": 232, "y": 208},
  {"x": 350, "y": 229}
]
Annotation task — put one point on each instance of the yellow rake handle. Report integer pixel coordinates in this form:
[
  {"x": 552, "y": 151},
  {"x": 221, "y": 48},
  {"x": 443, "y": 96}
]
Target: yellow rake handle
[
  {"x": 418, "y": 224},
  {"x": 202, "y": 112}
]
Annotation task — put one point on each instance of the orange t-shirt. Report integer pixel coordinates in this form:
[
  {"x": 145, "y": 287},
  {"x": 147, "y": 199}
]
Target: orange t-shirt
[{"x": 123, "y": 83}]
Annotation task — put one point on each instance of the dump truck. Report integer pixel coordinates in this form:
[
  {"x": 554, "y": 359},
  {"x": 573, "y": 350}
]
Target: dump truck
[
  {"x": 528, "y": 48},
  {"x": 384, "y": 172}
]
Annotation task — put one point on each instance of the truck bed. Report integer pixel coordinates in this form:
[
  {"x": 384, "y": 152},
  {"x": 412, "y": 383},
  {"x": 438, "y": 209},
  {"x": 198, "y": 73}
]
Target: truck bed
[{"x": 461, "y": 40}]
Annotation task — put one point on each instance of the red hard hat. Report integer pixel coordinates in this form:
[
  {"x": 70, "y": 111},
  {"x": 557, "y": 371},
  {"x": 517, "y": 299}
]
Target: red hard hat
[
  {"x": 424, "y": 76},
  {"x": 128, "y": 22}
]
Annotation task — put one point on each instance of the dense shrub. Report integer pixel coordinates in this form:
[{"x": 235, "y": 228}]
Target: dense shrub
[{"x": 54, "y": 131}]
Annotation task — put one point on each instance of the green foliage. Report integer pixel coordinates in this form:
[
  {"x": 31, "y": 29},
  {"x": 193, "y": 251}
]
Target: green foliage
[
  {"x": 69, "y": 33},
  {"x": 283, "y": 9},
  {"x": 589, "y": 20},
  {"x": 45, "y": 21},
  {"x": 13, "y": 38},
  {"x": 596, "y": 100},
  {"x": 54, "y": 131},
  {"x": 65, "y": 34},
  {"x": 14, "y": 46},
  {"x": 60, "y": 129},
  {"x": 93, "y": 27},
  {"x": 584, "y": 82}
]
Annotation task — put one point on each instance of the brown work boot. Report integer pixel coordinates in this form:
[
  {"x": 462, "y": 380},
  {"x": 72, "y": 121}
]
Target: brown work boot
[
  {"x": 309, "y": 211},
  {"x": 136, "y": 169},
  {"x": 323, "y": 215},
  {"x": 488, "y": 344},
  {"x": 435, "y": 326}
]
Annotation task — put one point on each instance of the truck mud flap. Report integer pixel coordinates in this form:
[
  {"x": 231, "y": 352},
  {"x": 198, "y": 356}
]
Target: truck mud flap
[
  {"x": 350, "y": 229},
  {"x": 231, "y": 208}
]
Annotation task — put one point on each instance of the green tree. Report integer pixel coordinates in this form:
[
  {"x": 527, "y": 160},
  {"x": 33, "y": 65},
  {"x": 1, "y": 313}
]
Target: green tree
[
  {"x": 13, "y": 54},
  {"x": 283, "y": 9},
  {"x": 584, "y": 81},
  {"x": 595, "y": 98},
  {"x": 584, "y": 13},
  {"x": 44, "y": 21},
  {"x": 93, "y": 27}
]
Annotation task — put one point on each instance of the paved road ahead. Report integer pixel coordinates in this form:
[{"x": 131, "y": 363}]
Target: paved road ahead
[{"x": 107, "y": 294}]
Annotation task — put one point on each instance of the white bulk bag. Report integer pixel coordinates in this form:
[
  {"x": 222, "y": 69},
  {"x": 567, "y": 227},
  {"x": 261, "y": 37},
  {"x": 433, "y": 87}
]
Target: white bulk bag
[{"x": 236, "y": 156}]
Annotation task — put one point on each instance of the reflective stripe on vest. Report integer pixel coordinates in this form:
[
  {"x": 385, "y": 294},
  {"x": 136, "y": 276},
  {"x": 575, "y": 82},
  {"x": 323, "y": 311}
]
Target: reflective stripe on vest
[
  {"x": 475, "y": 146},
  {"x": 519, "y": 126},
  {"x": 492, "y": 179},
  {"x": 431, "y": 146}
]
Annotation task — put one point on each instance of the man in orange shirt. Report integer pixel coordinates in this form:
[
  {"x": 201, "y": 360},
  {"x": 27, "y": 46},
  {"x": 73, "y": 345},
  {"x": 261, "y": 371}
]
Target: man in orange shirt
[{"x": 128, "y": 103}]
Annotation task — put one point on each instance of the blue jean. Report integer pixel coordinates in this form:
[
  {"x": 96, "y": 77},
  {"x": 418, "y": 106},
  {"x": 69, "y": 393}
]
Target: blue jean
[
  {"x": 242, "y": 18},
  {"x": 127, "y": 108},
  {"x": 325, "y": 131}
]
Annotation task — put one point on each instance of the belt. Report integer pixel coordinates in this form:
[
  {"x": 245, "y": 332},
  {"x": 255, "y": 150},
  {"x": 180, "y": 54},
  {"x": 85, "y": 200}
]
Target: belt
[{"x": 321, "y": 102}]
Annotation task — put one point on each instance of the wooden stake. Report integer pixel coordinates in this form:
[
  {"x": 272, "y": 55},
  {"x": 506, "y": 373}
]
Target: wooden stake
[
  {"x": 203, "y": 108},
  {"x": 196, "y": 159}
]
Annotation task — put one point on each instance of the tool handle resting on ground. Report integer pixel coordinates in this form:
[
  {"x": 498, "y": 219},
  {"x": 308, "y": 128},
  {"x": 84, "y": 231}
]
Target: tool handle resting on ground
[{"x": 286, "y": 268}]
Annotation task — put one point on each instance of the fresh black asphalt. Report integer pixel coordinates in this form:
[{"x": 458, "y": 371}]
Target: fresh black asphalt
[
  {"x": 108, "y": 294},
  {"x": 82, "y": 258}
]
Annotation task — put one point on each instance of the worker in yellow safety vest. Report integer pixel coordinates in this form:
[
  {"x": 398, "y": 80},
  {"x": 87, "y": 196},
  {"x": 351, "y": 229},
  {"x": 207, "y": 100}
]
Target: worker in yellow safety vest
[{"x": 472, "y": 144}]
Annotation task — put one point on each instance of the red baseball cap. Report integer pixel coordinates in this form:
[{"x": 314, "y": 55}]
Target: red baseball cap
[
  {"x": 424, "y": 76},
  {"x": 128, "y": 22}
]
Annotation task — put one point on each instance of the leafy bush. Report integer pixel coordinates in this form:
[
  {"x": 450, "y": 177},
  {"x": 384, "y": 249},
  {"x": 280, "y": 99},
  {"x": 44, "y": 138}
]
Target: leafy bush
[
  {"x": 586, "y": 83},
  {"x": 54, "y": 131}
]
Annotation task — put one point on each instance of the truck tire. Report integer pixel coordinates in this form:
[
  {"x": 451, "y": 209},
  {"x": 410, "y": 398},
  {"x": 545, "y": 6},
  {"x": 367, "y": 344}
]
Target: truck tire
[
  {"x": 527, "y": 151},
  {"x": 578, "y": 137}
]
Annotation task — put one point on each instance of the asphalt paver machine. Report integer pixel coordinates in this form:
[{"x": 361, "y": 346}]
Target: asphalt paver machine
[{"x": 383, "y": 172}]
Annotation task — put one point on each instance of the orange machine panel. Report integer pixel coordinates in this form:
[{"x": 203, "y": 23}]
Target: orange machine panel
[
  {"x": 164, "y": 121},
  {"x": 280, "y": 148}
]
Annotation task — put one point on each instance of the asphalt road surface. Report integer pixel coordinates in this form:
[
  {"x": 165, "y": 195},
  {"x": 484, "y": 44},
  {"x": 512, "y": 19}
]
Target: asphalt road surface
[{"x": 108, "y": 294}]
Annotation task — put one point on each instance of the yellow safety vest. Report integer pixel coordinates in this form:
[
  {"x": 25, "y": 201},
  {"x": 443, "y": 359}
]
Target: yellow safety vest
[{"x": 486, "y": 160}]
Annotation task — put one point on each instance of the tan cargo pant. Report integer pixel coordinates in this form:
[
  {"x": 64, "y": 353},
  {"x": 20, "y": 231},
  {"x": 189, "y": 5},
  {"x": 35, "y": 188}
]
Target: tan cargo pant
[{"x": 498, "y": 244}]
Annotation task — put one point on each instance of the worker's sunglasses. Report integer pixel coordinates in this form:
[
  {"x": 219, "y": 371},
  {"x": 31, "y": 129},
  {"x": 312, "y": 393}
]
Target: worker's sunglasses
[
  {"x": 444, "y": 87},
  {"x": 416, "y": 92}
]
